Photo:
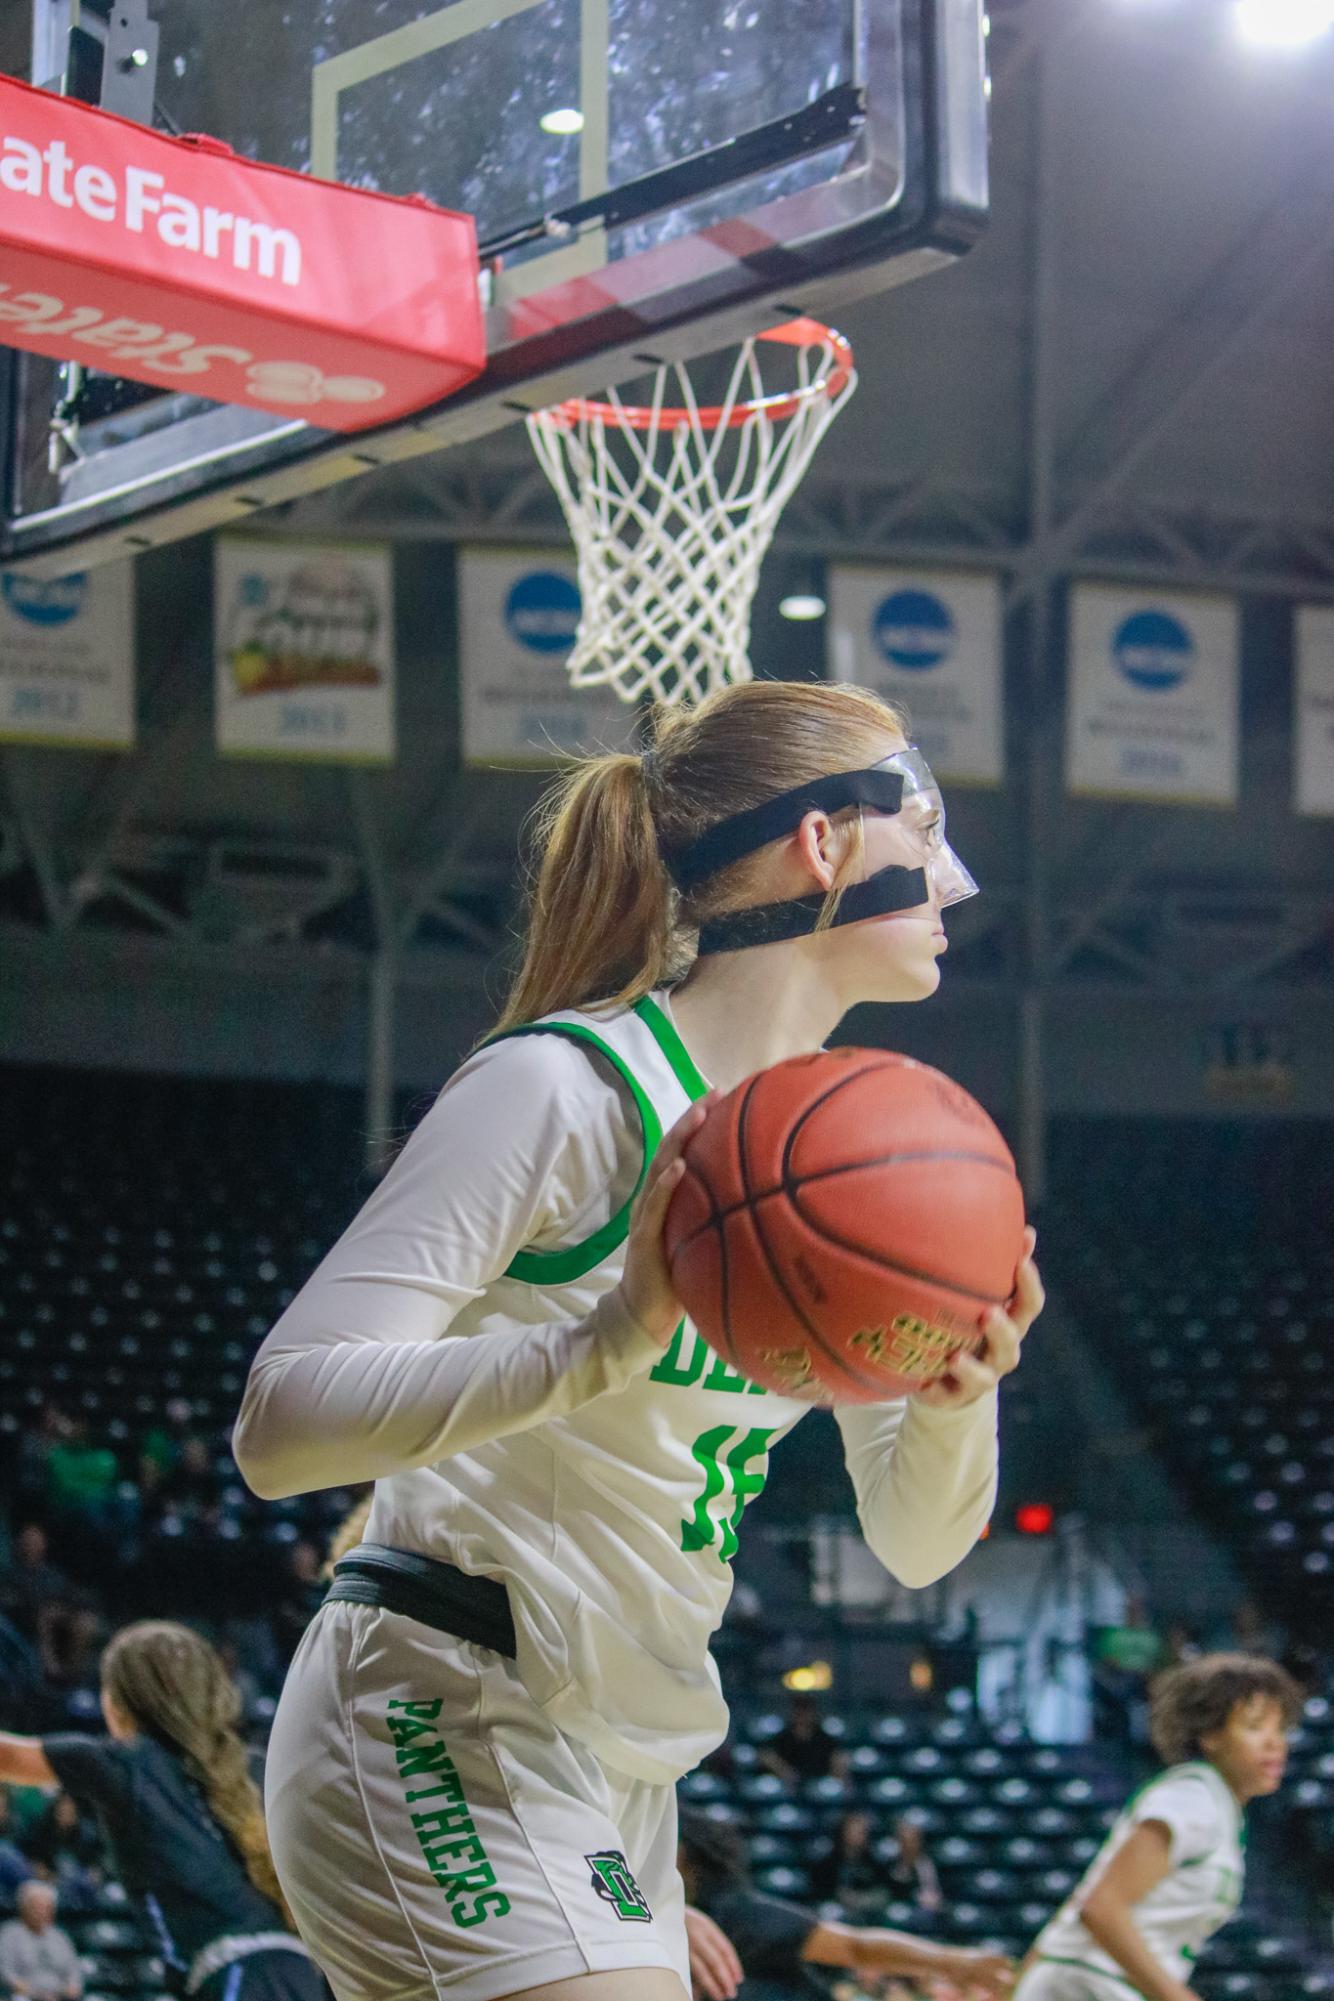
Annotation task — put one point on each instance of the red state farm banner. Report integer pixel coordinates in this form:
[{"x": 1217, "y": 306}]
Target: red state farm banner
[{"x": 177, "y": 262}]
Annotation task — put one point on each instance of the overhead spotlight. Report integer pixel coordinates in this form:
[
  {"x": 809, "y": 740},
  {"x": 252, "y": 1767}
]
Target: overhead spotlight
[
  {"x": 1283, "y": 24},
  {"x": 804, "y": 597},
  {"x": 563, "y": 122}
]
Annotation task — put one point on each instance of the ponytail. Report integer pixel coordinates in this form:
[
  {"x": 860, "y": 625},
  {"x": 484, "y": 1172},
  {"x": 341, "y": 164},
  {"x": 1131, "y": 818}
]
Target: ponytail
[
  {"x": 172, "y": 1685},
  {"x": 600, "y": 905},
  {"x": 605, "y": 924}
]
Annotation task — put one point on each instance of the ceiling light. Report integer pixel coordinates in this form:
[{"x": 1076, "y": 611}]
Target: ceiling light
[
  {"x": 562, "y": 122},
  {"x": 801, "y": 605},
  {"x": 1284, "y": 24}
]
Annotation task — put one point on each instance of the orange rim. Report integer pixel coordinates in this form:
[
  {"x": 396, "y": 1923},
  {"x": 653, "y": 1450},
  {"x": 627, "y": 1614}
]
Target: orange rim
[{"x": 714, "y": 417}]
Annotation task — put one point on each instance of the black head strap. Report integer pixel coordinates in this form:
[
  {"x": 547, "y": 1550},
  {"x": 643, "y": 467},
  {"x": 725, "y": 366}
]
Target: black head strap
[
  {"x": 694, "y": 861},
  {"x": 888, "y": 890}
]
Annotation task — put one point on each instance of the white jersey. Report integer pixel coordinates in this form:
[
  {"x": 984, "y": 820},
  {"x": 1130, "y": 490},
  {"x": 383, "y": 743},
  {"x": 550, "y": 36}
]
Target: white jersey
[
  {"x": 1197, "y": 1896},
  {"x": 461, "y": 1345}
]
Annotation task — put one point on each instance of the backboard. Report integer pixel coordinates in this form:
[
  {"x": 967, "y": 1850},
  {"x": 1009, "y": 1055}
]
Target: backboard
[{"x": 650, "y": 178}]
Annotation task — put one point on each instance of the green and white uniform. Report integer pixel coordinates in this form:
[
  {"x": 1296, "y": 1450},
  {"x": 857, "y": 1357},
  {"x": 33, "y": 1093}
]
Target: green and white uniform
[
  {"x": 461, "y": 1347},
  {"x": 1179, "y": 1915}
]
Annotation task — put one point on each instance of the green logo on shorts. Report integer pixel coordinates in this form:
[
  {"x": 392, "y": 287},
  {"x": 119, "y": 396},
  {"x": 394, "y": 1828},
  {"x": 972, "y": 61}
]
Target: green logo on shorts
[
  {"x": 445, "y": 1832},
  {"x": 613, "y": 1882}
]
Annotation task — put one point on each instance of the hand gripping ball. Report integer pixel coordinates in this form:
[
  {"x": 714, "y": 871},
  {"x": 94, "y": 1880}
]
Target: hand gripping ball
[{"x": 844, "y": 1224}]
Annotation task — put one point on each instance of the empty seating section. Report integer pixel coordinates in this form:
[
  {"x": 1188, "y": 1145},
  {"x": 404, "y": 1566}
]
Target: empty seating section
[
  {"x": 151, "y": 1231},
  {"x": 1218, "y": 1317}
]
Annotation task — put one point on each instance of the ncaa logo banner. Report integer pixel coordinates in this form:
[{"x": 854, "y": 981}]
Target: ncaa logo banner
[
  {"x": 1313, "y": 723},
  {"x": 518, "y": 614},
  {"x": 929, "y": 640},
  {"x": 67, "y": 658},
  {"x": 1151, "y": 710},
  {"x": 303, "y": 650}
]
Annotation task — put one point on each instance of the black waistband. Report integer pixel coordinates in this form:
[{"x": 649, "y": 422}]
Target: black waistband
[{"x": 421, "y": 1587}]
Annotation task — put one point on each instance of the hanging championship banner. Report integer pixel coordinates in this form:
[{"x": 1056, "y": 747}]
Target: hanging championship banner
[
  {"x": 1313, "y": 710},
  {"x": 518, "y": 613},
  {"x": 303, "y": 649},
  {"x": 67, "y": 658},
  {"x": 1152, "y": 699},
  {"x": 931, "y": 641}
]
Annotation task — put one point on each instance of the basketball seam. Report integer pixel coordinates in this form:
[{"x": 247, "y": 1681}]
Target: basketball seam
[
  {"x": 839, "y": 1361},
  {"x": 790, "y": 1185},
  {"x": 809, "y": 1111},
  {"x": 839, "y": 1084},
  {"x": 882, "y": 1263}
]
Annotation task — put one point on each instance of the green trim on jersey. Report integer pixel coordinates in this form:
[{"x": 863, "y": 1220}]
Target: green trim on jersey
[
  {"x": 663, "y": 1031},
  {"x": 574, "y": 1260}
]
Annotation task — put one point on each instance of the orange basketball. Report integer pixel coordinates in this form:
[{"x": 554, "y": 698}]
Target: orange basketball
[{"x": 844, "y": 1224}]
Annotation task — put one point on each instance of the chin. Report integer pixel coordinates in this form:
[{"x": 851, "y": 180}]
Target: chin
[{"x": 903, "y": 985}]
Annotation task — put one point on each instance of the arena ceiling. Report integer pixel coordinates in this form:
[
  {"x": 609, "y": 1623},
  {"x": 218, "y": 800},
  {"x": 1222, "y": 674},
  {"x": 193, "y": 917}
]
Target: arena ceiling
[{"x": 1133, "y": 374}]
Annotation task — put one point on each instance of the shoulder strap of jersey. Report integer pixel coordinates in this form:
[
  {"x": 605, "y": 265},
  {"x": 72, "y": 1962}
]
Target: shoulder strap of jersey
[{"x": 571, "y": 1262}]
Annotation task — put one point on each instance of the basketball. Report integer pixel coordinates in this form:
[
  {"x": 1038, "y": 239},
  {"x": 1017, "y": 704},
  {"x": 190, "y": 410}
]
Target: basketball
[{"x": 844, "y": 1224}]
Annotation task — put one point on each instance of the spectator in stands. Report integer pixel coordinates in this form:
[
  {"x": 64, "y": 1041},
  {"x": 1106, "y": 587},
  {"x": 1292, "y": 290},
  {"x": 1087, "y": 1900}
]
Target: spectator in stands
[
  {"x": 780, "y": 1945},
  {"x": 32, "y": 1589},
  {"x": 165, "y": 1444},
  {"x": 1170, "y": 1872},
  {"x": 81, "y": 1476},
  {"x": 181, "y": 1814},
  {"x": 242, "y": 1678},
  {"x": 1180, "y": 1644},
  {"x": 66, "y": 1844},
  {"x": 1126, "y": 1658},
  {"x": 803, "y": 1748},
  {"x": 190, "y": 1485},
  {"x": 74, "y": 1643},
  {"x": 301, "y": 1597},
  {"x": 35, "y": 1448},
  {"x": 37, "y": 1959},
  {"x": 1253, "y": 1633},
  {"x": 912, "y": 1874},
  {"x": 849, "y": 1874}
]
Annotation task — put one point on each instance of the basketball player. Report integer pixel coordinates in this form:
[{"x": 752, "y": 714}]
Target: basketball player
[
  {"x": 470, "y": 1781},
  {"x": 181, "y": 1814},
  {"x": 1170, "y": 1873}
]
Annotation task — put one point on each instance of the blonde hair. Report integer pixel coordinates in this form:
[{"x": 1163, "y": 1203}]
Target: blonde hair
[
  {"x": 172, "y": 1684},
  {"x": 350, "y": 1532},
  {"x": 605, "y": 924}
]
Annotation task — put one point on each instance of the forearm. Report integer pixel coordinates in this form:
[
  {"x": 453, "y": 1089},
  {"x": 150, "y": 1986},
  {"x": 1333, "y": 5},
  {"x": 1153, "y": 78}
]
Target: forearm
[
  {"x": 337, "y": 1412},
  {"x": 925, "y": 1492},
  {"x": 1112, "y": 1925},
  {"x": 879, "y": 1950},
  {"x": 23, "y": 1762}
]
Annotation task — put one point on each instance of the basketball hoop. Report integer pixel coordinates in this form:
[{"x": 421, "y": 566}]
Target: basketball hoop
[{"x": 672, "y": 507}]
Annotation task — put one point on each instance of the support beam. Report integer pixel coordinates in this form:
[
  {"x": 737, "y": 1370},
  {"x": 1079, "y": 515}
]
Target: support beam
[
  {"x": 1291, "y": 241},
  {"x": 383, "y": 982},
  {"x": 1040, "y": 747}
]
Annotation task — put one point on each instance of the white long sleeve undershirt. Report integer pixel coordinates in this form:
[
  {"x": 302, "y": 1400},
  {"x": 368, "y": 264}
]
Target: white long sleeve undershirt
[{"x": 361, "y": 1379}]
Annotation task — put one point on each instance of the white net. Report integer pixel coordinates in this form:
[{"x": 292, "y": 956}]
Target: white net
[{"x": 672, "y": 506}]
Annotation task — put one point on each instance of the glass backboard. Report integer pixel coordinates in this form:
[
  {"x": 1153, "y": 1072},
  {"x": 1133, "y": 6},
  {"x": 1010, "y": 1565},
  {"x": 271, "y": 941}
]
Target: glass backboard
[{"x": 650, "y": 179}]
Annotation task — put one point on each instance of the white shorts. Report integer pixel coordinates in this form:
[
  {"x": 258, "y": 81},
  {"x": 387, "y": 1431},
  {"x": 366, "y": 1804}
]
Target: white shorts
[{"x": 434, "y": 1833}]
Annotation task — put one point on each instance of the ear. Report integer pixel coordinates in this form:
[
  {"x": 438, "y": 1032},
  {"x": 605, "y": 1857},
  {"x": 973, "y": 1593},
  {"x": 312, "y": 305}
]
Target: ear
[{"x": 819, "y": 845}]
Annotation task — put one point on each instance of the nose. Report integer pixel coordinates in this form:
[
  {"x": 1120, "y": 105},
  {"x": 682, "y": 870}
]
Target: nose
[{"x": 949, "y": 879}]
